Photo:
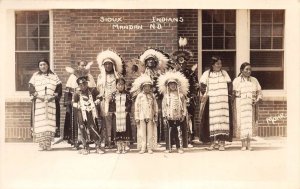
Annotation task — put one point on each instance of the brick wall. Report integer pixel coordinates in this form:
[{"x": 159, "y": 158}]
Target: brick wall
[{"x": 17, "y": 121}]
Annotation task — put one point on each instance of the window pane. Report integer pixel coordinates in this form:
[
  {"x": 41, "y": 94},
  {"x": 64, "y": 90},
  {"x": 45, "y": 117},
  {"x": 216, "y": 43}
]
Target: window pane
[
  {"x": 21, "y": 17},
  {"x": 44, "y": 17},
  {"x": 44, "y": 31},
  {"x": 230, "y": 29},
  {"x": 230, "y": 43},
  {"x": 230, "y": 16},
  {"x": 26, "y": 65},
  {"x": 206, "y": 16},
  {"x": 278, "y": 30},
  {"x": 218, "y": 16},
  {"x": 255, "y": 43},
  {"x": 206, "y": 42},
  {"x": 218, "y": 30},
  {"x": 21, "y": 44},
  {"x": 266, "y": 59},
  {"x": 228, "y": 61},
  {"x": 266, "y": 42},
  {"x": 21, "y": 30},
  {"x": 255, "y": 30},
  {"x": 33, "y": 44},
  {"x": 32, "y": 17},
  {"x": 269, "y": 79},
  {"x": 255, "y": 16},
  {"x": 266, "y": 30},
  {"x": 218, "y": 43},
  {"x": 277, "y": 43},
  {"x": 44, "y": 44},
  {"x": 207, "y": 29},
  {"x": 33, "y": 31},
  {"x": 278, "y": 16}
]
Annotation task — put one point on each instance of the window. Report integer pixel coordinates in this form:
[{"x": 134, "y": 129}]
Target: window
[
  {"x": 32, "y": 44},
  {"x": 266, "y": 47},
  {"x": 219, "y": 38}
]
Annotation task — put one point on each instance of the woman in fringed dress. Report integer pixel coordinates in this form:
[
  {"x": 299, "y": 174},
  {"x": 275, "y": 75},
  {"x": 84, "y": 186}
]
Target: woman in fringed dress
[
  {"x": 216, "y": 124},
  {"x": 247, "y": 93},
  {"x": 45, "y": 89}
]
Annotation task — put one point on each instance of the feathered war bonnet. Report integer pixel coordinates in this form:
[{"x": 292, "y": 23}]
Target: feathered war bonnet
[
  {"x": 116, "y": 60},
  {"x": 182, "y": 55},
  {"x": 161, "y": 58},
  {"x": 173, "y": 76},
  {"x": 138, "y": 84},
  {"x": 81, "y": 74}
]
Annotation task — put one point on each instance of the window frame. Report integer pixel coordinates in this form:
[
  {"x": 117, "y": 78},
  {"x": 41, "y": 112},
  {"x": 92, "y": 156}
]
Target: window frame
[
  {"x": 12, "y": 94},
  {"x": 243, "y": 49}
]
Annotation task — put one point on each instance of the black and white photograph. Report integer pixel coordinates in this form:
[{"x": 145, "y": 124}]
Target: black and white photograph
[{"x": 148, "y": 94}]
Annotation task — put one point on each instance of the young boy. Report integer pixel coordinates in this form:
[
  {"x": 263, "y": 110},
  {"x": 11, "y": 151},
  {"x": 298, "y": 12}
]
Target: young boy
[
  {"x": 85, "y": 101},
  {"x": 146, "y": 111},
  {"x": 120, "y": 105},
  {"x": 174, "y": 87}
]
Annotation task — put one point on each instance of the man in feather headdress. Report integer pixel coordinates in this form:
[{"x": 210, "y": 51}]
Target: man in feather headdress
[
  {"x": 174, "y": 87},
  {"x": 111, "y": 67},
  {"x": 71, "y": 131},
  {"x": 181, "y": 58},
  {"x": 154, "y": 63}
]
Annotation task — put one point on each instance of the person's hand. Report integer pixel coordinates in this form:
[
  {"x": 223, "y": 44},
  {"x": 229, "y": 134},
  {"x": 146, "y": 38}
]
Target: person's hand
[
  {"x": 137, "y": 121},
  {"x": 182, "y": 118},
  {"x": 97, "y": 101}
]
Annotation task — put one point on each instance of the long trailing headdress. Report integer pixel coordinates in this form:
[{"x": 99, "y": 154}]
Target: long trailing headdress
[
  {"x": 173, "y": 76},
  {"x": 117, "y": 61},
  {"x": 138, "y": 84}
]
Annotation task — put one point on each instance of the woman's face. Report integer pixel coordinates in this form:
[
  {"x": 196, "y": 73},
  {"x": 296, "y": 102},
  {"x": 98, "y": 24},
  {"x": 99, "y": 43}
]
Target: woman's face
[
  {"x": 108, "y": 66},
  {"x": 120, "y": 86},
  {"x": 172, "y": 86},
  {"x": 147, "y": 88},
  {"x": 247, "y": 71},
  {"x": 81, "y": 65},
  {"x": 217, "y": 66},
  {"x": 43, "y": 66}
]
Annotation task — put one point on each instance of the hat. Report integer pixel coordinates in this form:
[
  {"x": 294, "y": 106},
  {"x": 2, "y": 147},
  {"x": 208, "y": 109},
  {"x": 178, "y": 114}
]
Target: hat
[
  {"x": 113, "y": 57},
  {"x": 139, "y": 82},
  {"x": 161, "y": 58},
  {"x": 173, "y": 76},
  {"x": 82, "y": 79}
]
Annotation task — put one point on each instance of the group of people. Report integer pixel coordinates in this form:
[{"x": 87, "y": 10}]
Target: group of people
[{"x": 160, "y": 103}]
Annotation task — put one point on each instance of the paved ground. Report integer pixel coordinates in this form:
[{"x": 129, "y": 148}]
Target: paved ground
[{"x": 25, "y": 167}]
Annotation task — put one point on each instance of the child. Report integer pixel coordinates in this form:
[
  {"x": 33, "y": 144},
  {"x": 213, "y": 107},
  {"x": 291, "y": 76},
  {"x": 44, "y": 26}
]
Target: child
[
  {"x": 174, "y": 87},
  {"x": 85, "y": 101},
  {"x": 120, "y": 105},
  {"x": 146, "y": 111}
]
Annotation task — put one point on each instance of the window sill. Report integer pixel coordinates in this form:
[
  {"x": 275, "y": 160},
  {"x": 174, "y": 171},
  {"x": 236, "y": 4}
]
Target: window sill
[{"x": 274, "y": 95}]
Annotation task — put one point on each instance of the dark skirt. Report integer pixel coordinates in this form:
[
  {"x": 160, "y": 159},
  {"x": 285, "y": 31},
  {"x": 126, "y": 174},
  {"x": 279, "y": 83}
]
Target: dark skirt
[{"x": 205, "y": 135}]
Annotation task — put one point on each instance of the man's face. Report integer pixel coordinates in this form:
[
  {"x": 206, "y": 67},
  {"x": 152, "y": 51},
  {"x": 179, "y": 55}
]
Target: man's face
[
  {"x": 83, "y": 86},
  {"x": 147, "y": 88},
  {"x": 172, "y": 86},
  {"x": 108, "y": 66},
  {"x": 150, "y": 62},
  {"x": 81, "y": 65}
]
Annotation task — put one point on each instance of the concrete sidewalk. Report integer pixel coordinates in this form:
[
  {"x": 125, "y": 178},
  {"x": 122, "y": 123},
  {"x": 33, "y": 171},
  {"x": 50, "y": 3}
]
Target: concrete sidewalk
[{"x": 25, "y": 167}]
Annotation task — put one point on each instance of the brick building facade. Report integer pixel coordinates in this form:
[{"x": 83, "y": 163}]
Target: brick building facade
[{"x": 78, "y": 34}]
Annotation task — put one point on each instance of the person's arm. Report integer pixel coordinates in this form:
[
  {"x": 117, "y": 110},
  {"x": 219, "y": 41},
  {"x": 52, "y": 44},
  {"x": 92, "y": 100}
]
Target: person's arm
[
  {"x": 137, "y": 108},
  {"x": 128, "y": 103}
]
